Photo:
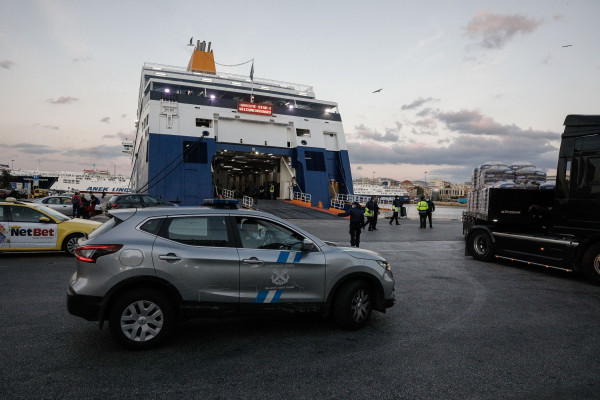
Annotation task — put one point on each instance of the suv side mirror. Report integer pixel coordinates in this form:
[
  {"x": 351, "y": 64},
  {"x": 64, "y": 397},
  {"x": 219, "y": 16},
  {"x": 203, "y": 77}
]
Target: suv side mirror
[
  {"x": 307, "y": 245},
  {"x": 45, "y": 219}
]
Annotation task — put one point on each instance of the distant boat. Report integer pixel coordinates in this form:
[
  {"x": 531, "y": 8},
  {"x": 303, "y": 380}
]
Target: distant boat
[
  {"x": 366, "y": 189},
  {"x": 91, "y": 181}
]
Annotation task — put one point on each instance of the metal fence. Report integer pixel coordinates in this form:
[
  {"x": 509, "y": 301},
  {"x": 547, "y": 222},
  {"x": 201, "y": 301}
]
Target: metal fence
[
  {"x": 305, "y": 197},
  {"x": 248, "y": 202}
]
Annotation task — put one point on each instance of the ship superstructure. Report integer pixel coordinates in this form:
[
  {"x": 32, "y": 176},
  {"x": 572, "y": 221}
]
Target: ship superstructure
[{"x": 200, "y": 131}]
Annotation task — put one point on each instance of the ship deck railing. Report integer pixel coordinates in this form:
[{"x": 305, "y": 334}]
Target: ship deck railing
[
  {"x": 308, "y": 90},
  {"x": 304, "y": 197}
]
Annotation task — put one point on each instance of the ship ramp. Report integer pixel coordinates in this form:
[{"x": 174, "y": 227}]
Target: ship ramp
[{"x": 288, "y": 210}]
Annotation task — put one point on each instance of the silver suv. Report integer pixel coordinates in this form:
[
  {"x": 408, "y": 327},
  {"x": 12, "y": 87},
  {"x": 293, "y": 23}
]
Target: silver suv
[{"x": 145, "y": 268}]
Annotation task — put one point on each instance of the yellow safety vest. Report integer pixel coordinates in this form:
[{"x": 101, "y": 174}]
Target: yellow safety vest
[
  {"x": 422, "y": 205},
  {"x": 369, "y": 213},
  {"x": 272, "y": 189}
]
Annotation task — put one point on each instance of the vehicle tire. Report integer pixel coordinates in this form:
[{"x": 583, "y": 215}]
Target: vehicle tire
[
  {"x": 481, "y": 245},
  {"x": 70, "y": 243},
  {"x": 353, "y": 305},
  {"x": 591, "y": 263},
  {"x": 141, "y": 319}
]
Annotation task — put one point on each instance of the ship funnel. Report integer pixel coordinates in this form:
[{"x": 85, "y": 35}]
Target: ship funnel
[{"x": 202, "y": 59}]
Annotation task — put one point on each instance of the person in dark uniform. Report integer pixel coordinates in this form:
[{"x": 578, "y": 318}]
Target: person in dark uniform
[
  {"x": 430, "y": 209},
  {"x": 396, "y": 207},
  {"x": 357, "y": 220}
]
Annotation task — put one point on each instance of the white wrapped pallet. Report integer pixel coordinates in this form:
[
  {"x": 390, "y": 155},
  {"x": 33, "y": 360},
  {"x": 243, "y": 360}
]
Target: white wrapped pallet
[{"x": 520, "y": 164}]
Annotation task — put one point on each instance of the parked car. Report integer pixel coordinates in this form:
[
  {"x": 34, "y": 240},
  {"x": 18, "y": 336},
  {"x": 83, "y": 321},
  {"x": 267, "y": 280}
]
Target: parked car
[
  {"x": 134, "y": 200},
  {"x": 27, "y": 226},
  {"x": 62, "y": 204},
  {"x": 145, "y": 268}
]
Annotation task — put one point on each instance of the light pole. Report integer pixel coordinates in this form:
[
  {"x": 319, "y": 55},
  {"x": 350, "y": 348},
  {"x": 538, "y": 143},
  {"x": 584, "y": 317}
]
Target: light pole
[
  {"x": 373, "y": 176},
  {"x": 12, "y": 164},
  {"x": 425, "y": 176}
]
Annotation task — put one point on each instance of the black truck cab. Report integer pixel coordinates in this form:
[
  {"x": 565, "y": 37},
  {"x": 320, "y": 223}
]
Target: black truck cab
[{"x": 556, "y": 229}]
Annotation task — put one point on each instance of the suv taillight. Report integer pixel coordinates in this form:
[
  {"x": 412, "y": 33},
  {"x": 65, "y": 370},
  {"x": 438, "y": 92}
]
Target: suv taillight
[{"x": 92, "y": 252}]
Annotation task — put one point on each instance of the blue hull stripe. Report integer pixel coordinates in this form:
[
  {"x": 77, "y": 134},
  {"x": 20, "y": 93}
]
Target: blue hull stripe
[
  {"x": 298, "y": 257},
  {"x": 277, "y": 296}
]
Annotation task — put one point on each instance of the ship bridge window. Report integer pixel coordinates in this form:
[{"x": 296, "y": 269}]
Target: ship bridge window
[
  {"x": 302, "y": 132},
  {"x": 203, "y": 123},
  {"x": 194, "y": 152}
]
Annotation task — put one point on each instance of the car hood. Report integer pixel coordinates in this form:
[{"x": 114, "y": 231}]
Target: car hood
[
  {"x": 361, "y": 253},
  {"x": 85, "y": 225}
]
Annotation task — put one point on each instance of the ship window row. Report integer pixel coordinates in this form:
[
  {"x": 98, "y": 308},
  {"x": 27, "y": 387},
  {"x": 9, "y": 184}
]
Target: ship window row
[
  {"x": 302, "y": 132},
  {"x": 225, "y": 98}
]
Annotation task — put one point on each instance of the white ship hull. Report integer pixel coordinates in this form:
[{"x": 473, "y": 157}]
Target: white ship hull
[{"x": 91, "y": 182}]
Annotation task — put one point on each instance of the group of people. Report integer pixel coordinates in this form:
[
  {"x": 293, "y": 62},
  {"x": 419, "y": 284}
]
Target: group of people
[
  {"x": 425, "y": 208},
  {"x": 82, "y": 207},
  {"x": 266, "y": 191},
  {"x": 371, "y": 211}
]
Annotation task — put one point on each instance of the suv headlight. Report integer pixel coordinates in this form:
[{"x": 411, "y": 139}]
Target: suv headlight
[{"x": 385, "y": 265}]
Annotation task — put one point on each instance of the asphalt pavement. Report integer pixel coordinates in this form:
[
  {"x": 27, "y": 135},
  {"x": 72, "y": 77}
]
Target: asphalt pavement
[{"x": 460, "y": 329}]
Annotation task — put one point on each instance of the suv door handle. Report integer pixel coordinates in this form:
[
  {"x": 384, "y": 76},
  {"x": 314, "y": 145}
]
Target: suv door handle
[
  {"x": 169, "y": 257},
  {"x": 253, "y": 261}
]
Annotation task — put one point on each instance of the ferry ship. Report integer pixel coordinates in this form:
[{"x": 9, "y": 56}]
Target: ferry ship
[
  {"x": 86, "y": 181},
  {"x": 381, "y": 191},
  {"x": 200, "y": 131},
  {"x": 91, "y": 181}
]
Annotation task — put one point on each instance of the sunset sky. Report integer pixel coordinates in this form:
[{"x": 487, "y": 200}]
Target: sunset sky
[{"x": 462, "y": 82}]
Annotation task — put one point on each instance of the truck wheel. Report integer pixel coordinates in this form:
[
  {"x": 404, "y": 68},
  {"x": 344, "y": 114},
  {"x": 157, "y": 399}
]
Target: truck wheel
[
  {"x": 481, "y": 245},
  {"x": 591, "y": 263},
  {"x": 141, "y": 319},
  {"x": 70, "y": 243},
  {"x": 353, "y": 305}
]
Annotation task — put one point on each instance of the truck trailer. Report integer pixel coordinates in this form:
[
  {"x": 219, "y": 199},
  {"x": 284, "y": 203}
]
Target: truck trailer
[{"x": 557, "y": 228}]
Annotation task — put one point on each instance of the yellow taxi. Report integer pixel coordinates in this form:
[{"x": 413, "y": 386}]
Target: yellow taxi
[{"x": 33, "y": 227}]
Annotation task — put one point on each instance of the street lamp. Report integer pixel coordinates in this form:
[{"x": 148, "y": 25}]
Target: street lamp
[
  {"x": 425, "y": 176},
  {"x": 12, "y": 164}
]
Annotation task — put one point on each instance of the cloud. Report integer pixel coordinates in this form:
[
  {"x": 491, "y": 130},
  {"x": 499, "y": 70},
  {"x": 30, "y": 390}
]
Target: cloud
[
  {"x": 106, "y": 120},
  {"x": 359, "y": 167},
  {"x": 7, "y": 64},
  {"x": 390, "y": 135},
  {"x": 97, "y": 152},
  {"x": 417, "y": 103},
  {"x": 462, "y": 151},
  {"x": 63, "y": 100},
  {"x": 32, "y": 148},
  {"x": 494, "y": 31},
  {"x": 82, "y": 59},
  {"x": 109, "y": 136},
  {"x": 50, "y": 127},
  {"x": 474, "y": 123}
]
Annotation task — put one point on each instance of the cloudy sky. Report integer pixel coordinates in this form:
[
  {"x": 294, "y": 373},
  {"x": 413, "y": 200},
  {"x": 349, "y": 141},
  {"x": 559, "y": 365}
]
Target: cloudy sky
[{"x": 463, "y": 82}]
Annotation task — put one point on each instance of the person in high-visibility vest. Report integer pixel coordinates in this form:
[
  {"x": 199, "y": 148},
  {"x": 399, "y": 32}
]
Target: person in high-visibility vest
[
  {"x": 422, "y": 207},
  {"x": 396, "y": 207},
  {"x": 371, "y": 211},
  {"x": 272, "y": 191}
]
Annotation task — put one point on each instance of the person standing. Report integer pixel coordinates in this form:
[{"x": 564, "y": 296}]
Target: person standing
[
  {"x": 430, "y": 210},
  {"x": 371, "y": 211},
  {"x": 396, "y": 207},
  {"x": 422, "y": 208},
  {"x": 376, "y": 209},
  {"x": 357, "y": 220},
  {"x": 93, "y": 202},
  {"x": 272, "y": 191},
  {"x": 76, "y": 201}
]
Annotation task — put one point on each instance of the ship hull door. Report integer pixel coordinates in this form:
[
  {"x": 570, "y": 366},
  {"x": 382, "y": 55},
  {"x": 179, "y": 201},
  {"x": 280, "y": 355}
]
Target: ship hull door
[{"x": 237, "y": 173}]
